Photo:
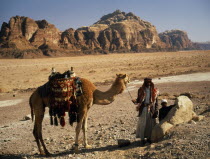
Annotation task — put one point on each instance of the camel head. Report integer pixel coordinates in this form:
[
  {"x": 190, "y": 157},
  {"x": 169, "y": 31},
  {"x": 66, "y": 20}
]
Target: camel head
[{"x": 124, "y": 79}]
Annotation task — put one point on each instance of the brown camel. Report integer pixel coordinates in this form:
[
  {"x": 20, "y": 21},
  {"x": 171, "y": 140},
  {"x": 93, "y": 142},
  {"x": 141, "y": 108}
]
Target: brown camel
[{"x": 90, "y": 96}]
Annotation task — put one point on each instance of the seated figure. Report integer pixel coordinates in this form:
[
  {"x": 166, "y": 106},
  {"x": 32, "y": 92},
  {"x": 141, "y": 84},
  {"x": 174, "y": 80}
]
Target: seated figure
[{"x": 164, "y": 110}]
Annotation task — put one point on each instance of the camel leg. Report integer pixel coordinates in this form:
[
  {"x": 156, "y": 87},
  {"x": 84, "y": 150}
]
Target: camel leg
[
  {"x": 78, "y": 128},
  {"x": 39, "y": 115},
  {"x": 84, "y": 128},
  {"x": 37, "y": 138},
  {"x": 42, "y": 142}
]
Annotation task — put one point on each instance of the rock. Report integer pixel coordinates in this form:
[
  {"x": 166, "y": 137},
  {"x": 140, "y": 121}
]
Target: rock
[
  {"x": 169, "y": 144},
  {"x": 123, "y": 33},
  {"x": 117, "y": 31},
  {"x": 182, "y": 112},
  {"x": 198, "y": 118},
  {"x": 177, "y": 39},
  {"x": 192, "y": 122},
  {"x": 70, "y": 155},
  {"x": 152, "y": 146},
  {"x": 122, "y": 122},
  {"x": 188, "y": 94},
  {"x": 123, "y": 142},
  {"x": 27, "y": 117}
]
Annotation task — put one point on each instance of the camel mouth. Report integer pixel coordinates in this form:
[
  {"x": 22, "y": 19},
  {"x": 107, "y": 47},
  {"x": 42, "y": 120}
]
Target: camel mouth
[{"x": 127, "y": 81}]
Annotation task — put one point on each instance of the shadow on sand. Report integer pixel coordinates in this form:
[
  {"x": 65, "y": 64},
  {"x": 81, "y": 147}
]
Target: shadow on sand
[
  {"x": 100, "y": 149},
  {"x": 68, "y": 152}
]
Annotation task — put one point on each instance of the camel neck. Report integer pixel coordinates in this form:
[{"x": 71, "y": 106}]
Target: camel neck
[{"x": 107, "y": 97}]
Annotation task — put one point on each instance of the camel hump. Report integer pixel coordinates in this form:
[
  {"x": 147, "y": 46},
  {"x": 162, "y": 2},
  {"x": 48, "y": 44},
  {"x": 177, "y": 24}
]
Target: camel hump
[{"x": 86, "y": 84}]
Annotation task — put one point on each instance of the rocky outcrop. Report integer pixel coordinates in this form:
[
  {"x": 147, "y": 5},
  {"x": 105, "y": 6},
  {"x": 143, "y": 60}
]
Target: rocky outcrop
[
  {"x": 25, "y": 33},
  {"x": 127, "y": 31},
  {"x": 182, "y": 112},
  {"x": 177, "y": 39},
  {"x": 115, "y": 32},
  {"x": 46, "y": 34}
]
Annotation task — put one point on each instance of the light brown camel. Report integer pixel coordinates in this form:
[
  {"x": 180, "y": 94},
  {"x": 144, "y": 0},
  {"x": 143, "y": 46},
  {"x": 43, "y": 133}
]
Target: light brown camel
[{"x": 90, "y": 96}]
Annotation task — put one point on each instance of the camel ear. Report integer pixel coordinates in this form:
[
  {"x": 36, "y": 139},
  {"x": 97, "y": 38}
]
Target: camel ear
[
  {"x": 123, "y": 76},
  {"x": 53, "y": 70}
]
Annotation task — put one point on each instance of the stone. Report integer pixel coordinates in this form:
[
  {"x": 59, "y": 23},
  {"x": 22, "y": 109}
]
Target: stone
[
  {"x": 27, "y": 117},
  {"x": 182, "y": 112},
  {"x": 152, "y": 146},
  {"x": 123, "y": 142},
  {"x": 198, "y": 118},
  {"x": 192, "y": 122},
  {"x": 177, "y": 39},
  {"x": 188, "y": 94}
]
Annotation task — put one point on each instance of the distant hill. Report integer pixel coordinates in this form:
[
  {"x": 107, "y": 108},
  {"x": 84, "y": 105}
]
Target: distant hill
[
  {"x": 177, "y": 39},
  {"x": 203, "y": 45},
  {"x": 114, "y": 32}
]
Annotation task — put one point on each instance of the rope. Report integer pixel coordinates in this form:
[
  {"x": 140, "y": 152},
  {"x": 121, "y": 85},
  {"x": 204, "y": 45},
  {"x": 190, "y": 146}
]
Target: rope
[{"x": 129, "y": 93}]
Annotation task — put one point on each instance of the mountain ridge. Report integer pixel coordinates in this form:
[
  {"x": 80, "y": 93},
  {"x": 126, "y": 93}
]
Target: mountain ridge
[{"x": 114, "y": 32}]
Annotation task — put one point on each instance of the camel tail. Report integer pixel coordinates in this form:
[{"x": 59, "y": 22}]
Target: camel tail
[{"x": 32, "y": 112}]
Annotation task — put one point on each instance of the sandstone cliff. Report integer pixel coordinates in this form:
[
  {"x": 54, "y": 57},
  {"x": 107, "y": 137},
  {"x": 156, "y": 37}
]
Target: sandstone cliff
[
  {"x": 122, "y": 31},
  {"x": 25, "y": 33},
  {"x": 114, "y": 32},
  {"x": 177, "y": 39}
]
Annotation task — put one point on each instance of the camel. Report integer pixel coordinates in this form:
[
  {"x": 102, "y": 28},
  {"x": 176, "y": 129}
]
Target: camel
[{"x": 91, "y": 95}]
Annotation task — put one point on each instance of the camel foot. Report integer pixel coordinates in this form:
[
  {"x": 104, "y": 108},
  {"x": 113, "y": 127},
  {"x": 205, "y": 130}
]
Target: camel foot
[
  {"x": 88, "y": 146},
  {"x": 75, "y": 147},
  {"x": 45, "y": 153},
  {"x": 76, "y": 150}
]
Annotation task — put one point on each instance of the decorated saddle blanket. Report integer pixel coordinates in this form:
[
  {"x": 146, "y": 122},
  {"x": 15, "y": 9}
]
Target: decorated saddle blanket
[{"x": 62, "y": 90}]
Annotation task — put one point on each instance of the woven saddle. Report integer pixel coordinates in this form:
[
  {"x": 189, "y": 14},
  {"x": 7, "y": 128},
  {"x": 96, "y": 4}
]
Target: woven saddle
[{"x": 64, "y": 88}]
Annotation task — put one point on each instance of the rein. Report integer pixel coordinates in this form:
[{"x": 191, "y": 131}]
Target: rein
[{"x": 129, "y": 92}]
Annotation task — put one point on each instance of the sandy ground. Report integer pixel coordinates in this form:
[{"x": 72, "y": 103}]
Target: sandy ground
[
  {"x": 108, "y": 123},
  {"x": 19, "y": 74}
]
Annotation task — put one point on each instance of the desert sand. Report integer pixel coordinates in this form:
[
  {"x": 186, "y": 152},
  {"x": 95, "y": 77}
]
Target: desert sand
[
  {"x": 20, "y": 74},
  {"x": 108, "y": 123}
]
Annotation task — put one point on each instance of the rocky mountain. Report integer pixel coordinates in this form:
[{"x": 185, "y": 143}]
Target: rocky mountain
[
  {"x": 117, "y": 31},
  {"x": 177, "y": 39},
  {"x": 114, "y": 32},
  {"x": 25, "y": 33}
]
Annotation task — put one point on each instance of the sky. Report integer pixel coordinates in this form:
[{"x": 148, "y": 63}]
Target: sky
[{"x": 192, "y": 16}]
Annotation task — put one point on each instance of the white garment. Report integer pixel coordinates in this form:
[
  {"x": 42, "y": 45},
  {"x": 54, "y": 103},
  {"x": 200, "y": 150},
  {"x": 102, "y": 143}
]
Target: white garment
[
  {"x": 145, "y": 125},
  {"x": 147, "y": 96}
]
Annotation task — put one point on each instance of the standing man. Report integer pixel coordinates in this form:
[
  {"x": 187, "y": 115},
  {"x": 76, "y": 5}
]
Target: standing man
[{"x": 148, "y": 110}]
